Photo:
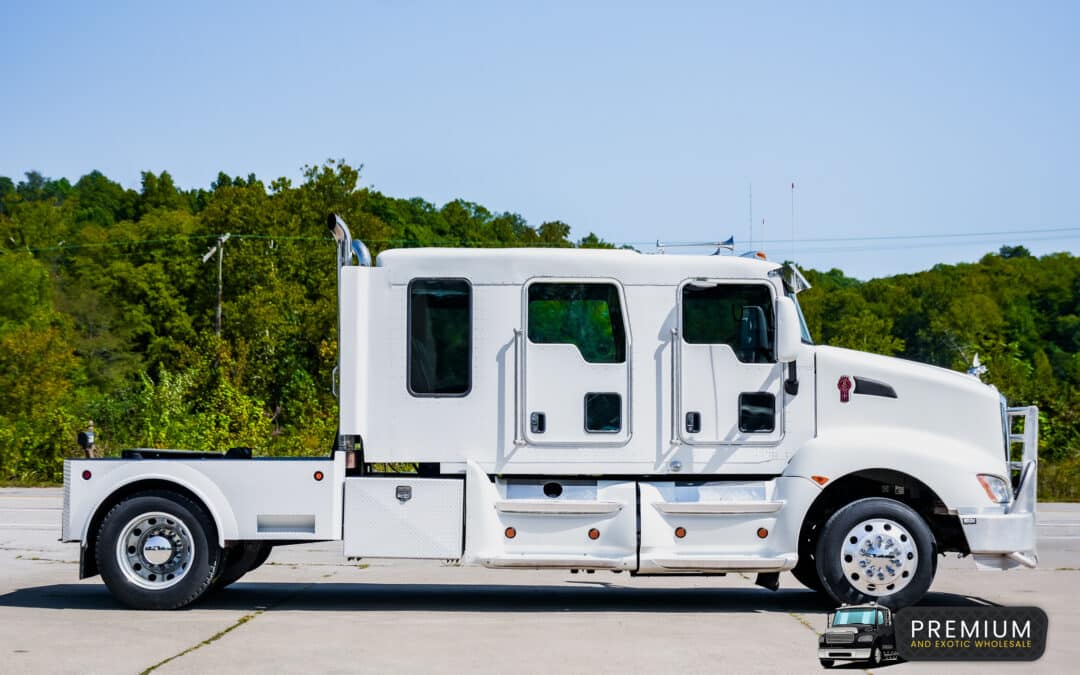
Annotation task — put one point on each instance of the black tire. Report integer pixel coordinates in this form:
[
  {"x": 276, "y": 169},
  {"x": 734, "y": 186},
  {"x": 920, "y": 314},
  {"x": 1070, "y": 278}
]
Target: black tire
[
  {"x": 831, "y": 541},
  {"x": 264, "y": 555},
  {"x": 239, "y": 560},
  {"x": 826, "y": 663},
  {"x": 875, "y": 655},
  {"x": 805, "y": 572},
  {"x": 203, "y": 566}
]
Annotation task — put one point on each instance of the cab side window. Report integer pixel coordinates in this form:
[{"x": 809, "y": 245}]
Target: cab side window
[
  {"x": 588, "y": 316},
  {"x": 738, "y": 315},
  {"x": 440, "y": 337}
]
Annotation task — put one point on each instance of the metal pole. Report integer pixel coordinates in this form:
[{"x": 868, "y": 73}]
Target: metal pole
[{"x": 220, "y": 254}]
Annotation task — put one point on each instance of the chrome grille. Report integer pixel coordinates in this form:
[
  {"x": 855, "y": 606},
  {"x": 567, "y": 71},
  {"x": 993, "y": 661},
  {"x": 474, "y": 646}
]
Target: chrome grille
[{"x": 839, "y": 638}]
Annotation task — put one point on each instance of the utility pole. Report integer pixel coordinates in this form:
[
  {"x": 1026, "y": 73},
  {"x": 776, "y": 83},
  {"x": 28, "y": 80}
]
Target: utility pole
[{"x": 218, "y": 248}]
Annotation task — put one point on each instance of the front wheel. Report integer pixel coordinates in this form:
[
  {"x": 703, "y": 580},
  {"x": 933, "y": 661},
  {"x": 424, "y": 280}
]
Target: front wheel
[
  {"x": 876, "y": 550},
  {"x": 155, "y": 550},
  {"x": 826, "y": 663},
  {"x": 875, "y": 656}
]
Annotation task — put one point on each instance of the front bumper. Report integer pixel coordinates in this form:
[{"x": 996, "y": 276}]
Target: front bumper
[
  {"x": 835, "y": 653},
  {"x": 1003, "y": 537}
]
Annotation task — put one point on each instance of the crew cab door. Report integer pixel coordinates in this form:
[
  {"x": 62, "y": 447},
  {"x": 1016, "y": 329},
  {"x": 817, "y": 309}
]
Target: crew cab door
[
  {"x": 728, "y": 383},
  {"x": 576, "y": 369}
]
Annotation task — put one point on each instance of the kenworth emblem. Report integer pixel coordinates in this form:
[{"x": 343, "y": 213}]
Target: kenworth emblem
[{"x": 844, "y": 385}]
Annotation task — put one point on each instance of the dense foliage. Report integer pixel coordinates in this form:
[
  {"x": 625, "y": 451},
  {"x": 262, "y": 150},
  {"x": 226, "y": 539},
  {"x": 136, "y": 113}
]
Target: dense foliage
[{"x": 107, "y": 313}]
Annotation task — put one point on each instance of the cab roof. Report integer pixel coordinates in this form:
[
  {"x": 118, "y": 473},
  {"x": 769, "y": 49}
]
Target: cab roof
[{"x": 518, "y": 265}]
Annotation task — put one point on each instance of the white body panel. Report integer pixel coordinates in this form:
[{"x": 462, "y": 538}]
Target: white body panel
[
  {"x": 268, "y": 499},
  {"x": 403, "y": 517},
  {"x": 514, "y": 377}
]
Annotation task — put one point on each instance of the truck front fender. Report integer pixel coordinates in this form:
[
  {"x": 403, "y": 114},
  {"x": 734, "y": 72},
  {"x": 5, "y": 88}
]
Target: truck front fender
[{"x": 945, "y": 465}]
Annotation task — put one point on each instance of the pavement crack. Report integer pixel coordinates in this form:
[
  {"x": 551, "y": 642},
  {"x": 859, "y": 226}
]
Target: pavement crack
[
  {"x": 225, "y": 631},
  {"x": 213, "y": 638}
]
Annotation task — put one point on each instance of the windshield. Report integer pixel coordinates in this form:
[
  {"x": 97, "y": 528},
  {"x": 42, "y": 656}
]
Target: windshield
[{"x": 850, "y": 617}]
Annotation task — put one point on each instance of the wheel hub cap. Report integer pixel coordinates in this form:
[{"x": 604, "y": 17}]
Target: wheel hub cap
[
  {"x": 155, "y": 550},
  {"x": 879, "y": 557}
]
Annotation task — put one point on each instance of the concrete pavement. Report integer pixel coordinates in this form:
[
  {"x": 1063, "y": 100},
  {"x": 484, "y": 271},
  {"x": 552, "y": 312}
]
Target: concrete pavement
[{"x": 309, "y": 610}]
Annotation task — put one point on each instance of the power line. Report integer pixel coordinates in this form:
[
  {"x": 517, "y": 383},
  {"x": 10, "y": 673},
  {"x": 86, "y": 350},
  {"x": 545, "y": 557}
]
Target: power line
[{"x": 1061, "y": 232}]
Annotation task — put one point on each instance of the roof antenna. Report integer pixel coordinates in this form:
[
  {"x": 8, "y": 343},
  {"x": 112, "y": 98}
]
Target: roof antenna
[
  {"x": 792, "y": 221},
  {"x": 751, "y": 215}
]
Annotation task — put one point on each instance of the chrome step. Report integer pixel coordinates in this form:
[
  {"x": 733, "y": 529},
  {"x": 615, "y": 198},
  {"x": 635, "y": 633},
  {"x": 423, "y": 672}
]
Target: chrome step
[
  {"x": 718, "y": 508},
  {"x": 553, "y": 507}
]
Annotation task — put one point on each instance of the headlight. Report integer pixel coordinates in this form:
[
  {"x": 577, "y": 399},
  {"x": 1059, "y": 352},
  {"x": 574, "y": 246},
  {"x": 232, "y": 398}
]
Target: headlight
[
  {"x": 997, "y": 489},
  {"x": 866, "y": 638}
]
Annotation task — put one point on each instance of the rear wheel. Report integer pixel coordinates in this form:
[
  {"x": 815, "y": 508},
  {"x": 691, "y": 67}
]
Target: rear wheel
[
  {"x": 156, "y": 550},
  {"x": 876, "y": 550},
  {"x": 240, "y": 560}
]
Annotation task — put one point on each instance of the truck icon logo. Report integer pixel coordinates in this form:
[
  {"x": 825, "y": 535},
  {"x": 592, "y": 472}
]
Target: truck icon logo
[
  {"x": 858, "y": 633},
  {"x": 844, "y": 385}
]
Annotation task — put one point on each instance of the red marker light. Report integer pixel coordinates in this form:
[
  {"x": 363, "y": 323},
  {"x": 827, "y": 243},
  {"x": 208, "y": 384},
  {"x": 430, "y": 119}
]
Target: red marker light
[
  {"x": 86, "y": 474},
  {"x": 594, "y": 533},
  {"x": 318, "y": 475}
]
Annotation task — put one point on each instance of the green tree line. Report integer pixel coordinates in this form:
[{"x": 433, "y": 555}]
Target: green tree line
[{"x": 107, "y": 313}]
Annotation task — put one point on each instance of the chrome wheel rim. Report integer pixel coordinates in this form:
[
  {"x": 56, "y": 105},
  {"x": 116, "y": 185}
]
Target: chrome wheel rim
[
  {"x": 879, "y": 557},
  {"x": 155, "y": 550}
]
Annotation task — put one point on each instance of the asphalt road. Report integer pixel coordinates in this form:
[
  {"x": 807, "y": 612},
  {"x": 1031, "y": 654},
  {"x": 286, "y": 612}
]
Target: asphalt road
[{"x": 307, "y": 610}]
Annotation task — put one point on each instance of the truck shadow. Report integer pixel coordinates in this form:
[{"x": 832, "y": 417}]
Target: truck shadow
[{"x": 361, "y": 597}]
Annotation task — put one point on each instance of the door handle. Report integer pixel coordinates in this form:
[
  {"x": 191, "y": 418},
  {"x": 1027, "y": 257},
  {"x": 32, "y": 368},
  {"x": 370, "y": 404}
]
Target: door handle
[
  {"x": 537, "y": 422},
  {"x": 693, "y": 422}
]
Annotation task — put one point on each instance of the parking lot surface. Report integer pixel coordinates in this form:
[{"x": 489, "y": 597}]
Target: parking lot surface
[{"x": 309, "y": 610}]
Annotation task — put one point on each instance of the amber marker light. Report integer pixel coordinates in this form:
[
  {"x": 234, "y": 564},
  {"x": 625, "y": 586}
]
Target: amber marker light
[
  {"x": 762, "y": 533},
  {"x": 510, "y": 533},
  {"x": 594, "y": 533},
  {"x": 820, "y": 480},
  {"x": 680, "y": 532},
  {"x": 318, "y": 475}
]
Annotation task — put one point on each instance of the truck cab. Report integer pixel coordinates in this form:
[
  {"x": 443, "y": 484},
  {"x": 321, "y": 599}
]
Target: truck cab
[
  {"x": 858, "y": 633},
  {"x": 590, "y": 410}
]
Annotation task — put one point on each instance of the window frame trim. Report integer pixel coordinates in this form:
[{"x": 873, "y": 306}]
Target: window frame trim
[{"x": 408, "y": 334}]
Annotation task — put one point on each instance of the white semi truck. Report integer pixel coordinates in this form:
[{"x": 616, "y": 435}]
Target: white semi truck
[{"x": 589, "y": 410}]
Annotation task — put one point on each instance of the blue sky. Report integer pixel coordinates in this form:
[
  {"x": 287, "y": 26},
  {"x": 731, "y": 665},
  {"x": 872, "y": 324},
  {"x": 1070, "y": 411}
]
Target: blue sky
[{"x": 638, "y": 122}]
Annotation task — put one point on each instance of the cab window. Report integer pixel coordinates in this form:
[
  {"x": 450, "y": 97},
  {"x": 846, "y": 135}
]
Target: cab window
[
  {"x": 586, "y": 315},
  {"x": 738, "y": 315},
  {"x": 440, "y": 337}
]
